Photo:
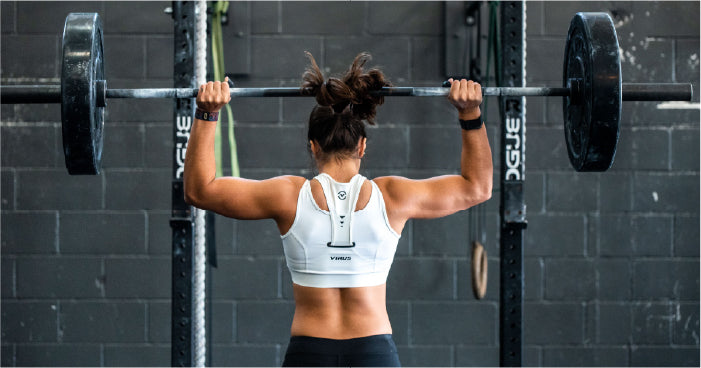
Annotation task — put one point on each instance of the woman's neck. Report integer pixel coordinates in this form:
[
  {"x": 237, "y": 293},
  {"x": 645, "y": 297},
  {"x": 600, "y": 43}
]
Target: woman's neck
[{"x": 340, "y": 170}]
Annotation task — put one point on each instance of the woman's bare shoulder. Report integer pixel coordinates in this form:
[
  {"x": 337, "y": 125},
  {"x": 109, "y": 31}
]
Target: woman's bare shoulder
[
  {"x": 295, "y": 181},
  {"x": 289, "y": 184}
]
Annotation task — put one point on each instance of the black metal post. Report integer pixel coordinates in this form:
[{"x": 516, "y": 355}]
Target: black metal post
[
  {"x": 513, "y": 207},
  {"x": 182, "y": 222}
]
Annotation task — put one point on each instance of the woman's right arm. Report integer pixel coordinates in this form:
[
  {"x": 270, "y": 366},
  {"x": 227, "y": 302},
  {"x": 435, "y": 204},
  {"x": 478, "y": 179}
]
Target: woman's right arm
[
  {"x": 233, "y": 197},
  {"x": 444, "y": 195}
]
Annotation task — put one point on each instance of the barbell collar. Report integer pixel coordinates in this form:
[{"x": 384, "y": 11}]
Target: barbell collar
[
  {"x": 575, "y": 86},
  {"x": 101, "y": 93}
]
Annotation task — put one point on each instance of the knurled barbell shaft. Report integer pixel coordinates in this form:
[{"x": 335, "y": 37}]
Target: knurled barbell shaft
[
  {"x": 296, "y": 92},
  {"x": 630, "y": 92},
  {"x": 52, "y": 93}
]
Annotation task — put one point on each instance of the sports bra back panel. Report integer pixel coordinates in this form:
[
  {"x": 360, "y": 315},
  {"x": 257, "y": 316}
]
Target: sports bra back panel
[{"x": 340, "y": 248}]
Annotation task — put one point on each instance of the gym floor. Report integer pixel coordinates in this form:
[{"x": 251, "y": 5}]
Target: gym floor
[{"x": 611, "y": 259}]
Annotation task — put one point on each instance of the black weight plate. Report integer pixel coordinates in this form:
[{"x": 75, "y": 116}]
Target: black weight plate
[
  {"x": 81, "y": 118},
  {"x": 592, "y": 121}
]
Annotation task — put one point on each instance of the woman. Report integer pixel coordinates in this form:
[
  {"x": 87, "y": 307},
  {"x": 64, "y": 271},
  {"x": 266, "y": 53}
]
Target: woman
[{"x": 339, "y": 230}]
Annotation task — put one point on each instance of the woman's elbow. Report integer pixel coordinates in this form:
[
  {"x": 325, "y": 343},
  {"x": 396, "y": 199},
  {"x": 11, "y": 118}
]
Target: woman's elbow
[
  {"x": 487, "y": 190},
  {"x": 486, "y": 195},
  {"x": 488, "y": 185},
  {"x": 476, "y": 195},
  {"x": 482, "y": 191},
  {"x": 481, "y": 195},
  {"x": 190, "y": 199},
  {"x": 193, "y": 195}
]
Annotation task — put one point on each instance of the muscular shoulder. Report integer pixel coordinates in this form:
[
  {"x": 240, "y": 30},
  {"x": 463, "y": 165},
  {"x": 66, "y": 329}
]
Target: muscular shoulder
[
  {"x": 390, "y": 186},
  {"x": 287, "y": 185},
  {"x": 282, "y": 193},
  {"x": 289, "y": 180}
]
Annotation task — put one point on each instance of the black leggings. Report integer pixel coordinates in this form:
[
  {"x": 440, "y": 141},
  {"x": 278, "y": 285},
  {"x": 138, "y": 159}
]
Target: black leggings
[{"x": 370, "y": 351}]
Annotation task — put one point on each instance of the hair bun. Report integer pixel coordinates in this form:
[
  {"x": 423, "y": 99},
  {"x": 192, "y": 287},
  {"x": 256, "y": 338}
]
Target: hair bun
[
  {"x": 362, "y": 83},
  {"x": 353, "y": 89},
  {"x": 329, "y": 92}
]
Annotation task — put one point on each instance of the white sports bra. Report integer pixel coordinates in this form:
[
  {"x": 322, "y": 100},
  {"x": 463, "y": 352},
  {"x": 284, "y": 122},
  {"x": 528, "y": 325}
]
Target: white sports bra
[{"x": 340, "y": 248}]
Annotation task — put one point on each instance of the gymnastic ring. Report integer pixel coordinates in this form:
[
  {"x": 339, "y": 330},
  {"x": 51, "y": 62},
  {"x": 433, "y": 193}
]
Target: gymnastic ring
[{"x": 479, "y": 270}]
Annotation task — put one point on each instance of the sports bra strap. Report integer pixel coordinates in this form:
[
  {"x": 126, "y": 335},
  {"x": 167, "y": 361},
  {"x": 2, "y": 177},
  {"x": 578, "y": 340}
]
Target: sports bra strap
[{"x": 341, "y": 198}]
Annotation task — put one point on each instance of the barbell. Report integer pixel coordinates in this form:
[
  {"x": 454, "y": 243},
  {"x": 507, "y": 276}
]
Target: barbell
[{"x": 592, "y": 92}]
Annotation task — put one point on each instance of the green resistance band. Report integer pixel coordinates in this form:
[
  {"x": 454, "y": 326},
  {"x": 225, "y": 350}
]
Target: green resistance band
[{"x": 219, "y": 8}]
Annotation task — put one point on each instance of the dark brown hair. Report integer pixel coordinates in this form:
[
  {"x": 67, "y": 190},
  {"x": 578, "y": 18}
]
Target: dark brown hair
[{"x": 337, "y": 123}]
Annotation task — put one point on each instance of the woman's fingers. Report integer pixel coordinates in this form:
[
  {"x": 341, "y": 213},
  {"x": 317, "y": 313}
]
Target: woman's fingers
[
  {"x": 465, "y": 94},
  {"x": 213, "y": 95}
]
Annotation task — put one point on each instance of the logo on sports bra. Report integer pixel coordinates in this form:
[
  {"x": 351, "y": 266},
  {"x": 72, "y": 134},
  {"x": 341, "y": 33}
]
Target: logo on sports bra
[
  {"x": 340, "y": 258},
  {"x": 342, "y": 195}
]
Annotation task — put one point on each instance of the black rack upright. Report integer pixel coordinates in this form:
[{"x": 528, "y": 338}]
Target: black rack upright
[
  {"x": 182, "y": 221},
  {"x": 513, "y": 207}
]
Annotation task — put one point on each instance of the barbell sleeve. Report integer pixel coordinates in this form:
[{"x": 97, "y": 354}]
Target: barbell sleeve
[
  {"x": 657, "y": 92},
  {"x": 630, "y": 92},
  {"x": 19, "y": 94}
]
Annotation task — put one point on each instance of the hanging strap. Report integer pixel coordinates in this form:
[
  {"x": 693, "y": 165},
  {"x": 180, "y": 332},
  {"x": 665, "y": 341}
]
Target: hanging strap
[{"x": 341, "y": 198}]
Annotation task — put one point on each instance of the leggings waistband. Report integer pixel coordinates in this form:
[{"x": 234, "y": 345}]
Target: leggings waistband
[{"x": 375, "y": 344}]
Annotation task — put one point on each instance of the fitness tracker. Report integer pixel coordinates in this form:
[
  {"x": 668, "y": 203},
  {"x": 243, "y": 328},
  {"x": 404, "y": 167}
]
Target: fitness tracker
[{"x": 206, "y": 115}]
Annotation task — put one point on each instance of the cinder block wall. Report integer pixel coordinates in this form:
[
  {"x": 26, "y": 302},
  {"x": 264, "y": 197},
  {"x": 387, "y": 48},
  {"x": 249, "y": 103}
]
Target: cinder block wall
[{"x": 612, "y": 259}]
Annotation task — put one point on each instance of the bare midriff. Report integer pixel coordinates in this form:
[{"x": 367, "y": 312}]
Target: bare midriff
[{"x": 340, "y": 313}]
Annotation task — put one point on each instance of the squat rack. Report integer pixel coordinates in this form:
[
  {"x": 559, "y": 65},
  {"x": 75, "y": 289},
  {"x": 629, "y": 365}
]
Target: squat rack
[
  {"x": 512, "y": 175},
  {"x": 512, "y": 205}
]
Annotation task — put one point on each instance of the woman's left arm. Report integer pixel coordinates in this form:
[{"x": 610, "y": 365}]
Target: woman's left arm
[{"x": 233, "y": 197}]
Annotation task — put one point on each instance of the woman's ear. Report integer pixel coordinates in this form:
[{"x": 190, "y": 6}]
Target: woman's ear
[
  {"x": 361, "y": 147},
  {"x": 314, "y": 148}
]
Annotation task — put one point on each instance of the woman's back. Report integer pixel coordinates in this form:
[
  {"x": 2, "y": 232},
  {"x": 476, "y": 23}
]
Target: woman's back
[
  {"x": 339, "y": 289},
  {"x": 340, "y": 313},
  {"x": 343, "y": 320}
]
